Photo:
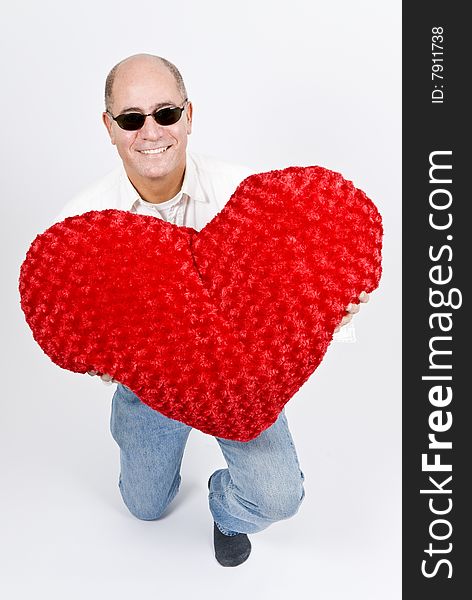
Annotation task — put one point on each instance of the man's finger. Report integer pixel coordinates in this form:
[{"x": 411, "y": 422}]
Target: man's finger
[
  {"x": 353, "y": 308},
  {"x": 364, "y": 297}
]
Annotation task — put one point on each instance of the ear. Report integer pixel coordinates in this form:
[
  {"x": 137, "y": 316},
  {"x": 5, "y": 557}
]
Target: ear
[
  {"x": 189, "y": 113},
  {"x": 107, "y": 120}
]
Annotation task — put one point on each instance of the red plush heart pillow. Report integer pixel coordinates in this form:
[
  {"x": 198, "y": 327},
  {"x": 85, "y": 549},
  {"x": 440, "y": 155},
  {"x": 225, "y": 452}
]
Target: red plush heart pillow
[{"x": 218, "y": 328}]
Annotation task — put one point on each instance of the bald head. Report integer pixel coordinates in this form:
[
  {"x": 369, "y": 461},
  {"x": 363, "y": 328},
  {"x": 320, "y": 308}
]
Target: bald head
[
  {"x": 153, "y": 155},
  {"x": 141, "y": 60}
]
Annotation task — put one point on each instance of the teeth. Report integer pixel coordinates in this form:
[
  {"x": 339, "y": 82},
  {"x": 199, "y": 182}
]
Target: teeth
[{"x": 154, "y": 151}]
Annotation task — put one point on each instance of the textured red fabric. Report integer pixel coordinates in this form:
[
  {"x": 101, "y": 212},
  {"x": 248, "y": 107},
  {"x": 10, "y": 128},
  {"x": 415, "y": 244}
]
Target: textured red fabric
[{"x": 219, "y": 328}]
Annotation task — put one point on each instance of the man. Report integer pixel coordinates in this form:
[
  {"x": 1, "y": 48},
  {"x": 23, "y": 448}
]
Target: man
[{"x": 148, "y": 117}]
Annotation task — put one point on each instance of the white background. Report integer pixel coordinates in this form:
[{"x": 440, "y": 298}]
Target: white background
[{"x": 273, "y": 84}]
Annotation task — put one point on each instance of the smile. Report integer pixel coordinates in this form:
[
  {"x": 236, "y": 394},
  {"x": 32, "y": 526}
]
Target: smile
[{"x": 155, "y": 150}]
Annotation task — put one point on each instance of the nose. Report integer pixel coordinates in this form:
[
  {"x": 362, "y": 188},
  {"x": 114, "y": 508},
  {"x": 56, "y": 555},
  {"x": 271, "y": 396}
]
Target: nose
[{"x": 151, "y": 130}]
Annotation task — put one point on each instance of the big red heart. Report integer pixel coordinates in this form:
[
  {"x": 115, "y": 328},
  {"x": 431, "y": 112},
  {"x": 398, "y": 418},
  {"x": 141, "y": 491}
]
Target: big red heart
[{"x": 219, "y": 328}]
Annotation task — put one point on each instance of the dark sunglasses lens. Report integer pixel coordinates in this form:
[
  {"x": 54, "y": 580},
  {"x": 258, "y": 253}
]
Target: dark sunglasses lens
[
  {"x": 168, "y": 116},
  {"x": 130, "y": 121}
]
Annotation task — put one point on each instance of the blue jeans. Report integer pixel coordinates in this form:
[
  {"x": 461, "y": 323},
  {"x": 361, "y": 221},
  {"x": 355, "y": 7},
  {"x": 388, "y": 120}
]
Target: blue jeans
[{"x": 262, "y": 484}]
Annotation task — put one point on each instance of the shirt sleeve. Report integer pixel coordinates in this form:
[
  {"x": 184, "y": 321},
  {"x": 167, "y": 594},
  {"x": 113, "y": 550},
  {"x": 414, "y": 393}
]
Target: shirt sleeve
[{"x": 346, "y": 334}]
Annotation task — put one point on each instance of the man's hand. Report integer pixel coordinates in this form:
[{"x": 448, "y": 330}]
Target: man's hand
[
  {"x": 106, "y": 379},
  {"x": 351, "y": 310}
]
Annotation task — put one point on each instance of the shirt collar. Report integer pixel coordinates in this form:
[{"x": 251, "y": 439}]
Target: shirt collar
[{"x": 191, "y": 186}]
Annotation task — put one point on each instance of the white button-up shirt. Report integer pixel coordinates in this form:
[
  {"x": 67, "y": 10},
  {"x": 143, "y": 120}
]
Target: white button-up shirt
[{"x": 208, "y": 184}]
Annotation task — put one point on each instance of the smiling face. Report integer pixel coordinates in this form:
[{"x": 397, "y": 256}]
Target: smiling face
[{"x": 153, "y": 156}]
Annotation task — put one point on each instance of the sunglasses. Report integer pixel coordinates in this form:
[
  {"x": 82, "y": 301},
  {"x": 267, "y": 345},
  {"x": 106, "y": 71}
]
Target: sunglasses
[{"x": 164, "y": 116}]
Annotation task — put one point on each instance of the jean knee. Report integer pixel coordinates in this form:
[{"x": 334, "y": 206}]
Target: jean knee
[
  {"x": 145, "y": 512},
  {"x": 145, "y": 509},
  {"x": 286, "y": 506},
  {"x": 282, "y": 504}
]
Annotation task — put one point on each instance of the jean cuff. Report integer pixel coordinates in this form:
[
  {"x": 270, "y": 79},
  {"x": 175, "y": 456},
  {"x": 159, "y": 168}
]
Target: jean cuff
[{"x": 227, "y": 532}]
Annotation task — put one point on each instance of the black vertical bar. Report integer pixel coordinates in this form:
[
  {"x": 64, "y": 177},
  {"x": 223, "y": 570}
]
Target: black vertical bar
[{"x": 437, "y": 549}]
